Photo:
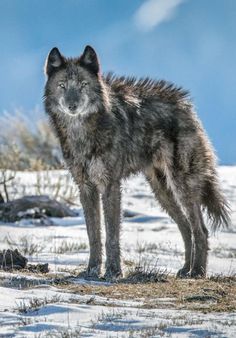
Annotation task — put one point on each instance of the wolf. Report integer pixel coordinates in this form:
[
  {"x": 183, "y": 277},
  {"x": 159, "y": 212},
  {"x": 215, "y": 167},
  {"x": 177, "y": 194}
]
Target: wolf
[{"x": 110, "y": 127}]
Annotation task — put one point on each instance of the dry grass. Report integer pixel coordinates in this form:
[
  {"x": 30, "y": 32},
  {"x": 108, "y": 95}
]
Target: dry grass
[
  {"x": 63, "y": 333},
  {"x": 206, "y": 295},
  {"x": 70, "y": 247},
  {"x": 25, "y": 244},
  {"x": 144, "y": 272},
  {"x": 214, "y": 294},
  {"x": 34, "y": 304},
  {"x": 153, "y": 288}
]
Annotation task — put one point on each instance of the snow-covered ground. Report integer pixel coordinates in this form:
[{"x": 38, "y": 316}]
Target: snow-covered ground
[{"x": 32, "y": 307}]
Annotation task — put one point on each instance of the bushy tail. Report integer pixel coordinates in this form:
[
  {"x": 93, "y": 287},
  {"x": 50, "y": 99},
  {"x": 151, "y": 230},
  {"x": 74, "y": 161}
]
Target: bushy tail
[{"x": 216, "y": 205}]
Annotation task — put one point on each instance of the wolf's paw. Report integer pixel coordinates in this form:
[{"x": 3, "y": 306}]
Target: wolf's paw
[
  {"x": 183, "y": 273},
  {"x": 112, "y": 275},
  {"x": 93, "y": 272},
  {"x": 197, "y": 273}
]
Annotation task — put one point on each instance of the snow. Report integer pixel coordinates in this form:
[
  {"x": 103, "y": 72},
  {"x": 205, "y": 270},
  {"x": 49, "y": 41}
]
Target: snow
[{"x": 148, "y": 233}]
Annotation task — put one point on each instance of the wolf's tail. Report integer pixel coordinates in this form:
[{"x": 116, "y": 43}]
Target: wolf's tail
[{"x": 216, "y": 205}]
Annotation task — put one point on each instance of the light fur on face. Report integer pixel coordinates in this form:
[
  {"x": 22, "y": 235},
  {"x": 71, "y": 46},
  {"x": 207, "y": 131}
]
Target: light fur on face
[{"x": 81, "y": 110}]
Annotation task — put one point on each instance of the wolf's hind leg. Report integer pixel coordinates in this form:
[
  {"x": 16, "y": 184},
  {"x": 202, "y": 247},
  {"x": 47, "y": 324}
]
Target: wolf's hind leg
[
  {"x": 167, "y": 201},
  {"x": 112, "y": 213},
  {"x": 199, "y": 238},
  {"x": 89, "y": 197}
]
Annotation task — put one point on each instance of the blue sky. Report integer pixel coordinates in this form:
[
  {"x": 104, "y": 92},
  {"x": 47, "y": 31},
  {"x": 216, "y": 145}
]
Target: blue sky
[{"x": 189, "y": 42}]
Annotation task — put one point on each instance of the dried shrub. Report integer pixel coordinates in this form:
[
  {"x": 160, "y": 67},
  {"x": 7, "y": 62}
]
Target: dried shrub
[
  {"x": 24, "y": 146},
  {"x": 32, "y": 147}
]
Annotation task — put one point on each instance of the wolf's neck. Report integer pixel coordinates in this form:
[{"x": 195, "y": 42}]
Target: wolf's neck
[{"x": 88, "y": 134}]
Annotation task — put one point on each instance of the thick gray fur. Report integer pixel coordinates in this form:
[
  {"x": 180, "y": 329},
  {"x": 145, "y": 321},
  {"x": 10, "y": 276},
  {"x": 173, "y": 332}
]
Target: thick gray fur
[{"x": 110, "y": 127}]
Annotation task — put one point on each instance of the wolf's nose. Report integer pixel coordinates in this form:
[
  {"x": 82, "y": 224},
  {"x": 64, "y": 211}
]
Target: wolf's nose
[{"x": 72, "y": 106}]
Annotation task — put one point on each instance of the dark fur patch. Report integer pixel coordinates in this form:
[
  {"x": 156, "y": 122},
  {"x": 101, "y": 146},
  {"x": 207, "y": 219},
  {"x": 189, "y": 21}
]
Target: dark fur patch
[{"x": 162, "y": 89}]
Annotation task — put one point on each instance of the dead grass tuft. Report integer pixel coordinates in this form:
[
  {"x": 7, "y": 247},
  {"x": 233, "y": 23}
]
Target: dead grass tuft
[
  {"x": 204, "y": 295},
  {"x": 64, "y": 333},
  {"x": 70, "y": 247},
  {"x": 34, "y": 304},
  {"x": 24, "y": 244},
  {"x": 145, "y": 273}
]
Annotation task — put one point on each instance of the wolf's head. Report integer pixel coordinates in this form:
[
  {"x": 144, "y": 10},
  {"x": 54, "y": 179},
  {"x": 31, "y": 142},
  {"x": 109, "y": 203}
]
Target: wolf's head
[{"x": 74, "y": 86}]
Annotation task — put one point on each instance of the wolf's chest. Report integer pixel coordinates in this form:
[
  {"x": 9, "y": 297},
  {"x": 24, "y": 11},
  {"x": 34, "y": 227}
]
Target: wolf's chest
[
  {"x": 97, "y": 173},
  {"x": 92, "y": 170},
  {"x": 87, "y": 159}
]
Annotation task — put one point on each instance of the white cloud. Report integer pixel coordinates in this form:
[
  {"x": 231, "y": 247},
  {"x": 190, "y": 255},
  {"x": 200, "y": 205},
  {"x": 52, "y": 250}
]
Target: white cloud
[{"x": 153, "y": 12}]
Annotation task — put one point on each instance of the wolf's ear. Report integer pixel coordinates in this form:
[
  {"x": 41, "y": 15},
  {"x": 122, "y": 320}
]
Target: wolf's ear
[
  {"x": 53, "y": 61},
  {"x": 89, "y": 60}
]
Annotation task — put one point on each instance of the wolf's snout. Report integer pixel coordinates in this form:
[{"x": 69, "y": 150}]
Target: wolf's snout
[
  {"x": 72, "y": 106},
  {"x": 72, "y": 99}
]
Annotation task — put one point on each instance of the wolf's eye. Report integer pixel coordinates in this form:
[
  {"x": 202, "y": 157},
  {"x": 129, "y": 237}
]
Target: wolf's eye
[
  {"x": 62, "y": 85},
  {"x": 84, "y": 83}
]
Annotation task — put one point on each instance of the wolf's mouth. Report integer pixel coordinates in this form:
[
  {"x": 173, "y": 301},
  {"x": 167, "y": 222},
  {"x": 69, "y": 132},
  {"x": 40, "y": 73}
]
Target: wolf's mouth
[
  {"x": 66, "y": 111},
  {"x": 71, "y": 113}
]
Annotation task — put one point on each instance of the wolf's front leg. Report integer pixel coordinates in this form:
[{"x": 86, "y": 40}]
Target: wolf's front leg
[
  {"x": 89, "y": 197},
  {"x": 112, "y": 213}
]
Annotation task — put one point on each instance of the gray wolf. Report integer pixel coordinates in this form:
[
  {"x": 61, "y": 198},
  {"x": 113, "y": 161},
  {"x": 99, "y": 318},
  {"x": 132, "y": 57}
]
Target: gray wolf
[{"x": 110, "y": 127}]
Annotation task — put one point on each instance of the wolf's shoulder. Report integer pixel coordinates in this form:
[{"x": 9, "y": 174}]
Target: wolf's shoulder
[{"x": 146, "y": 87}]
